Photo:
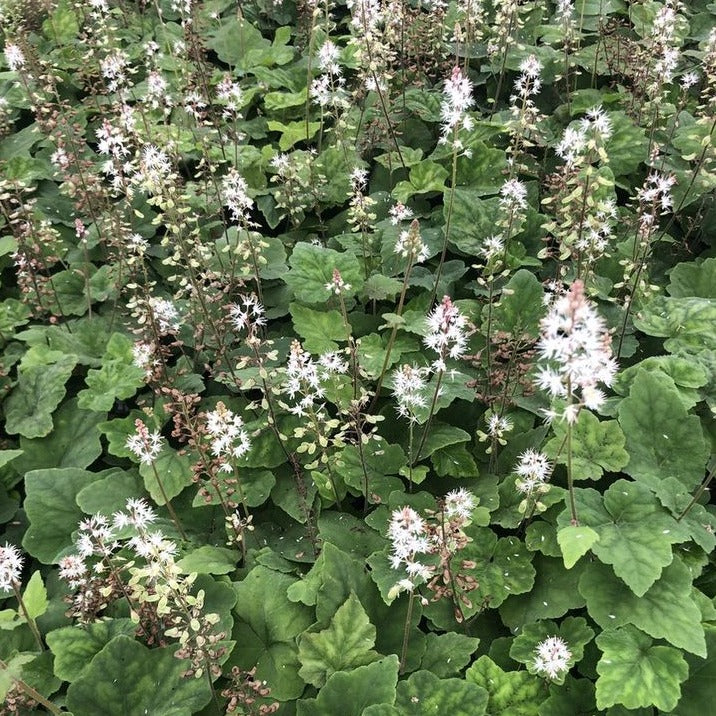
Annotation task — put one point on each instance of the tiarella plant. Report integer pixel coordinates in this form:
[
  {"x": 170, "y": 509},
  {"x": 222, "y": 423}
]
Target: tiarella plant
[{"x": 357, "y": 358}]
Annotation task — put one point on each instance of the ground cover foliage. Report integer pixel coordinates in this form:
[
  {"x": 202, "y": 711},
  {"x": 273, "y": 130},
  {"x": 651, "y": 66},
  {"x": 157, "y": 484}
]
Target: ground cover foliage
[{"x": 358, "y": 358}]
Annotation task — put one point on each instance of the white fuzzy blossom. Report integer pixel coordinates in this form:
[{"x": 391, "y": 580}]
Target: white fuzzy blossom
[
  {"x": 14, "y": 57},
  {"x": 138, "y": 514},
  {"x": 248, "y": 313},
  {"x": 589, "y": 135},
  {"x": 11, "y": 560},
  {"x": 575, "y": 351},
  {"x": 164, "y": 314},
  {"x": 459, "y": 503},
  {"x": 227, "y": 435},
  {"x": 145, "y": 446},
  {"x": 304, "y": 378},
  {"x": 144, "y": 357},
  {"x": 457, "y": 101},
  {"x": 498, "y": 426},
  {"x": 552, "y": 659},
  {"x": 337, "y": 285},
  {"x": 114, "y": 69},
  {"x": 407, "y": 532},
  {"x": 533, "y": 470},
  {"x": 235, "y": 193},
  {"x": 231, "y": 95},
  {"x": 409, "y": 389},
  {"x": 410, "y": 245},
  {"x": 399, "y": 212},
  {"x": 446, "y": 332}
]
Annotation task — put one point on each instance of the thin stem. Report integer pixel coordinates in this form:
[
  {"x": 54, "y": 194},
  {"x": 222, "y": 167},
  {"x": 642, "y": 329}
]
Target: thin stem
[
  {"x": 30, "y": 621},
  {"x": 699, "y": 492},
  {"x": 406, "y": 634},
  {"x": 428, "y": 422},
  {"x": 570, "y": 475},
  {"x": 448, "y": 221},
  {"x": 167, "y": 502},
  {"x": 34, "y": 695}
]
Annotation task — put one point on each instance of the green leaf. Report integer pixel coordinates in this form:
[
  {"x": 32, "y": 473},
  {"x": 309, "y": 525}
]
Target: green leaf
[
  {"x": 697, "y": 690},
  {"x": 447, "y": 654},
  {"x": 662, "y": 439},
  {"x": 382, "y": 463},
  {"x": 627, "y": 144},
  {"x": 7, "y": 456},
  {"x": 426, "y": 693},
  {"x": 175, "y": 472},
  {"x": 635, "y": 532},
  {"x": 312, "y": 268},
  {"x": 269, "y": 626},
  {"x": 127, "y": 678},
  {"x": 503, "y": 568},
  {"x": 575, "y": 542},
  {"x": 347, "y": 643},
  {"x": 35, "y": 597},
  {"x": 511, "y": 693},
  {"x": 350, "y": 534},
  {"x": 74, "y": 647},
  {"x": 473, "y": 219},
  {"x": 319, "y": 329},
  {"x": 636, "y": 674},
  {"x": 52, "y": 511},
  {"x": 441, "y": 435},
  {"x": 208, "y": 559},
  {"x": 666, "y": 611},
  {"x": 554, "y": 593},
  {"x": 39, "y": 390},
  {"x": 686, "y": 376},
  {"x": 74, "y": 441},
  {"x": 110, "y": 494},
  {"x": 425, "y": 177},
  {"x": 454, "y": 461},
  {"x": 239, "y": 43},
  {"x": 521, "y": 306},
  {"x": 62, "y": 25},
  {"x": 596, "y": 446},
  {"x": 684, "y": 322},
  {"x": 379, "y": 288},
  {"x": 573, "y": 698},
  {"x": 699, "y": 524},
  {"x": 293, "y": 132},
  {"x": 573, "y": 631},
  {"x": 13, "y": 313},
  {"x": 349, "y": 693},
  {"x": 118, "y": 377},
  {"x": 694, "y": 279}
]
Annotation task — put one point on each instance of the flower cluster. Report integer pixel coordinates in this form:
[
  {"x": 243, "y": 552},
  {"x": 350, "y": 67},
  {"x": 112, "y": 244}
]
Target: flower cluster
[
  {"x": 327, "y": 89},
  {"x": 457, "y": 100},
  {"x": 10, "y": 566},
  {"x": 228, "y": 437},
  {"x": 588, "y": 136},
  {"x": 424, "y": 547},
  {"x": 533, "y": 470},
  {"x": 145, "y": 446},
  {"x": 553, "y": 656},
  {"x": 410, "y": 246},
  {"x": 248, "y": 314},
  {"x": 575, "y": 347},
  {"x": 446, "y": 332},
  {"x": 164, "y": 314},
  {"x": 304, "y": 377},
  {"x": 337, "y": 285},
  {"x": 409, "y": 385},
  {"x": 235, "y": 192}
]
